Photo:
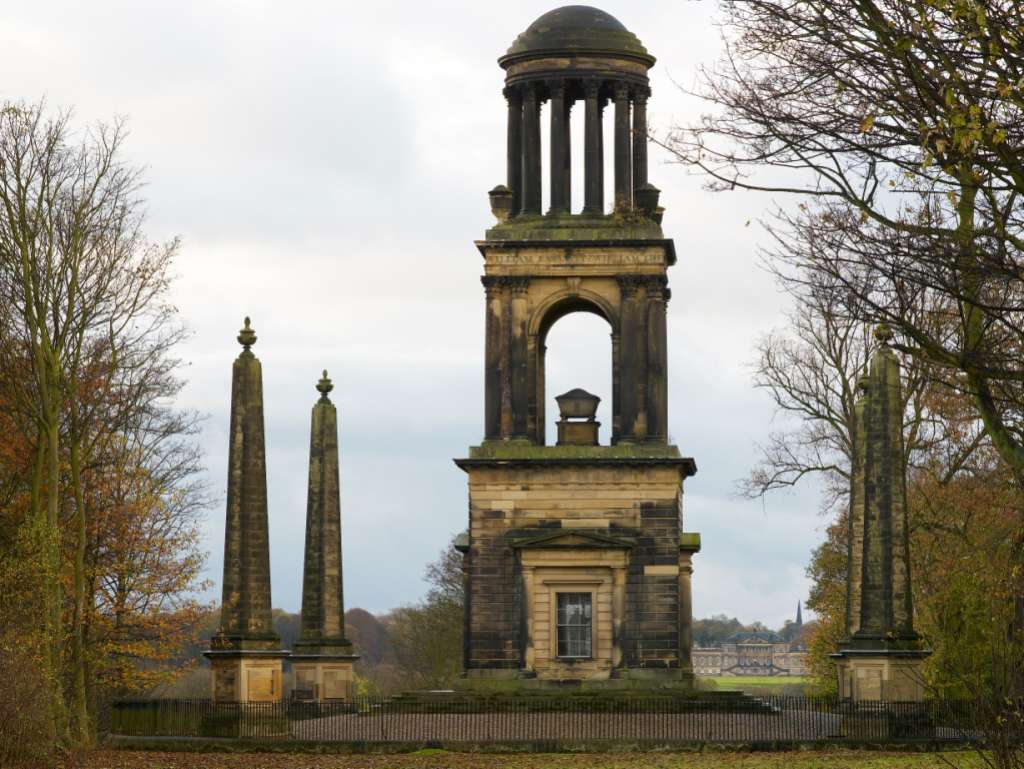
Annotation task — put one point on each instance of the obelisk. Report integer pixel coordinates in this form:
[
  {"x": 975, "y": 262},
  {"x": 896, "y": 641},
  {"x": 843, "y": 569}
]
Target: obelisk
[
  {"x": 880, "y": 657},
  {"x": 323, "y": 657},
  {"x": 246, "y": 654}
]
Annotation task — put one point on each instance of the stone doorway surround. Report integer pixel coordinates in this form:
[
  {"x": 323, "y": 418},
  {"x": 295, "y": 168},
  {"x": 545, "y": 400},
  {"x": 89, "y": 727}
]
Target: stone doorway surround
[{"x": 571, "y": 561}]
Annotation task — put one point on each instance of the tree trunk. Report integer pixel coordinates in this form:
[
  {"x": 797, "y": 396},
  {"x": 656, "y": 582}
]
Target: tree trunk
[
  {"x": 81, "y": 732},
  {"x": 974, "y": 338},
  {"x": 52, "y": 556}
]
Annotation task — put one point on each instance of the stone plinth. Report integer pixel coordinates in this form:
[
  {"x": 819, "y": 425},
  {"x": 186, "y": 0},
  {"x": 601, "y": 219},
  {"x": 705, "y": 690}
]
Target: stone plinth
[
  {"x": 246, "y": 676},
  {"x": 886, "y": 675},
  {"x": 601, "y": 522},
  {"x": 324, "y": 677}
]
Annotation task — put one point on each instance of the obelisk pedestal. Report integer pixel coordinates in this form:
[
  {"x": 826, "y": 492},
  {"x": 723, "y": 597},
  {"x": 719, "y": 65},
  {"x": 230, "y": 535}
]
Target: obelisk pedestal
[
  {"x": 323, "y": 657},
  {"x": 246, "y": 654},
  {"x": 880, "y": 659}
]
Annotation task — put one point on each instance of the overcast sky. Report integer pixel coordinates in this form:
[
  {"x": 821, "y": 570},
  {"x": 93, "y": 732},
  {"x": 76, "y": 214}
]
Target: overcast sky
[{"x": 326, "y": 165}]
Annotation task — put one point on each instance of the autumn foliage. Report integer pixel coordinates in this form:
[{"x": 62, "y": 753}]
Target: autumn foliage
[{"x": 99, "y": 474}]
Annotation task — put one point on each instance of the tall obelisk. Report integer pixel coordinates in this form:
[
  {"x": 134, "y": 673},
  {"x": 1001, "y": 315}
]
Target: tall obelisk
[
  {"x": 323, "y": 657},
  {"x": 880, "y": 658},
  {"x": 246, "y": 654}
]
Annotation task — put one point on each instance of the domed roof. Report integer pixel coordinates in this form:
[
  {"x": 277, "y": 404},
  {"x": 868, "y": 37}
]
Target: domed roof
[{"x": 575, "y": 28}]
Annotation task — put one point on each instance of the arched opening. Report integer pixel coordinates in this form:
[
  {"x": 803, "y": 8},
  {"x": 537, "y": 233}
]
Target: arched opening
[{"x": 576, "y": 351}]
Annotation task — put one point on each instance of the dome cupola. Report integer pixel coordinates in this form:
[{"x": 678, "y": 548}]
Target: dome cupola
[{"x": 576, "y": 54}]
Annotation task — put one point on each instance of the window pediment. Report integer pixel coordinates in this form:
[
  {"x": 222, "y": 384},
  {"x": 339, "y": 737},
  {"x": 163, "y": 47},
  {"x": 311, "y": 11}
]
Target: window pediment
[{"x": 574, "y": 538}]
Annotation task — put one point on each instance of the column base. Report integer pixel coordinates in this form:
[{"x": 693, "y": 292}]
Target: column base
[
  {"x": 246, "y": 675},
  {"x": 324, "y": 677},
  {"x": 636, "y": 680},
  {"x": 881, "y": 675}
]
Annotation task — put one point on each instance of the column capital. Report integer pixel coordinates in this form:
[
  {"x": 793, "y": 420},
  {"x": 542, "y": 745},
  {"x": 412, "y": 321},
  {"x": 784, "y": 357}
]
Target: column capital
[
  {"x": 591, "y": 88},
  {"x": 492, "y": 285},
  {"x": 557, "y": 87},
  {"x": 656, "y": 286},
  {"x": 519, "y": 284},
  {"x": 621, "y": 91},
  {"x": 629, "y": 284},
  {"x": 513, "y": 94}
]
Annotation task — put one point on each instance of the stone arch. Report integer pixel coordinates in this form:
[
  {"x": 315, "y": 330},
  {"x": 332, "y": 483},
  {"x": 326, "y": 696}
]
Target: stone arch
[
  {"x": 564, "y": 302},
  {"x": 544, "y": 316}
]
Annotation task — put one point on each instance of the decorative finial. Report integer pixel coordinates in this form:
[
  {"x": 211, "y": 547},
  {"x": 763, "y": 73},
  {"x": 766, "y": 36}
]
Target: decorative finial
[
  {"x": 247, "y": 337},
  {"x": 883, "y": 334},
  {"x": 324, "y": 386}
]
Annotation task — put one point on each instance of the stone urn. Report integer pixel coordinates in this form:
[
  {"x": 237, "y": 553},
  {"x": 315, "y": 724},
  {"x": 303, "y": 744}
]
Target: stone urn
[
  {"x": 501, "y": 203},
  {"x": 578, "y": 426}
]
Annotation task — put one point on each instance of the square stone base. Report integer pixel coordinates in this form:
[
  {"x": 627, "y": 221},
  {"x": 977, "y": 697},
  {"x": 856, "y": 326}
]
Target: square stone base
[
  {"x": 324, "y": 679},
  {"x": 246, "y": 676},
  {"x": 880, "y": 676},
  {"x": 512, "y": 682}
]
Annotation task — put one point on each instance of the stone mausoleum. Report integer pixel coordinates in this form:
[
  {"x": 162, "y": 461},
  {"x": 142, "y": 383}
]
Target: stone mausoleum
[
  {"x": 577, "y": 565},
  {"x": 576, "y": 561}
]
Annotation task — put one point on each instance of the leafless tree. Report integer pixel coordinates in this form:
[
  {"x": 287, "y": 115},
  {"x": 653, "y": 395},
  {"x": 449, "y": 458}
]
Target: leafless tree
[{"x": 899, "y": 127}]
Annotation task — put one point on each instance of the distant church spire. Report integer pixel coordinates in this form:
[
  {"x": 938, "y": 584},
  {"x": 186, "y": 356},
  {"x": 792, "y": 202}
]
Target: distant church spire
[{"x": 799, "y": 618}]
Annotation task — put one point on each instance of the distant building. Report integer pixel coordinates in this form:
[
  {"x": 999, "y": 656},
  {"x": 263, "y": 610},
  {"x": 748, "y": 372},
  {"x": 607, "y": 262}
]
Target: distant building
[{"x": 759, "y": 653}]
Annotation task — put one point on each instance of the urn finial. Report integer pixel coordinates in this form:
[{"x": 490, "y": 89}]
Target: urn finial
[
  {"x": 883, "y": 333},
  {"x": 324, "y": 386},
  {"x": 247, "y": 337}
]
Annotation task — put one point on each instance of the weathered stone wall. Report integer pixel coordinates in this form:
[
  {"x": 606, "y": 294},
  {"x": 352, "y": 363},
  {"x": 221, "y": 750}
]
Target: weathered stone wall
[
  {"x": 530, "y": 287},
  {"x": 510, "y": 501}
]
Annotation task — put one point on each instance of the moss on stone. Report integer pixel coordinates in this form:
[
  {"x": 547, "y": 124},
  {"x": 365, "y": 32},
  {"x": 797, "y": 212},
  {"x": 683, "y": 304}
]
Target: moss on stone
[
  {"x": 690, "y": 540},
  {"x": 525, "y": 450},
  {"x": 555, "y": 227}
]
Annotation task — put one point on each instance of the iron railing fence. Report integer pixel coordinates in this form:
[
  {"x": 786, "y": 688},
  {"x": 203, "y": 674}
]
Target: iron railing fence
[{"x": 769, "y": 719}]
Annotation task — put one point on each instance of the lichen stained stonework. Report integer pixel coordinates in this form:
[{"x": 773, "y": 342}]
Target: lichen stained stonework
[{"x": 577, "y": 566}]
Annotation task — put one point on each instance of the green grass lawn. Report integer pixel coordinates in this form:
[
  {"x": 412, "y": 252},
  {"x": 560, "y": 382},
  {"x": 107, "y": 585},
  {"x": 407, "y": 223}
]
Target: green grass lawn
[
  {"x": 743, "y": 683},
  {"x": 124, "y": 759}
]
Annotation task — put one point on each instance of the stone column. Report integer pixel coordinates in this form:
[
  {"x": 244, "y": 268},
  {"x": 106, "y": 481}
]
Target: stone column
[
  {"x": 506, "y": 369},
  {"x": 616, "y": 388},
  {"x": 593, "y": 179},
  {"x": 881, "y": 657},
  {"x": 246, "y": 652},
  {"x": 323, "y": 657},
  {"x": 657, "y": 361},
  {"x": 532, "y": 160},
  {"x": 559, "y": 148},
  {"x": 568, "y": 154},
  {"x": 528, "y": 618},
  {"x": 514, "y": 175},
  {"x": 619, "y": 582},
  {"x": 518, "y": 355},
  {"x": 623, "y": 152},
  {"x": 689, "y": 544},
  {"x": 493, "y": 324},
  {"x": 540, "y": 380},
  {"x": 630, "y": 360},
  {"x": 639, "y": 140}
]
